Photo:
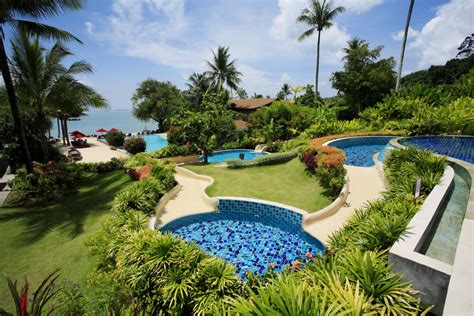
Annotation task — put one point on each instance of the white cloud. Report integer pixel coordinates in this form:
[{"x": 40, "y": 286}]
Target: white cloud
[
  {"x": 440, "y": 37},
  {"x": 412, "y": 33},
  {"x": 358, "y": 6},
  {"x": 89, "y": 27},
  {"x": 261, "y": 82}
]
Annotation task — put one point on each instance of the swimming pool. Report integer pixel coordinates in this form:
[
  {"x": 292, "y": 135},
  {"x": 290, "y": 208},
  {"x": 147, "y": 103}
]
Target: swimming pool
[
  {"x": 459, "y": 147},
  {"x": 222, "y": 155},
  {"x": 154, "y": 142},
  {"x": 360, "y": 150},
  {"x": 250, "y": 235}
]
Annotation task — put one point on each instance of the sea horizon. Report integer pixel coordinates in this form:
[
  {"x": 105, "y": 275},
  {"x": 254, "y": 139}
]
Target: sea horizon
[{"x": 121, "y": 119}]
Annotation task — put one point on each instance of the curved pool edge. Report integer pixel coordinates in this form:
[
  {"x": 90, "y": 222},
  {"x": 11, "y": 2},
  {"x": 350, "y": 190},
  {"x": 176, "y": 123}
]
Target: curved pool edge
[
  {"x": 262, "y": 153},
  {"x": 213, "y": 202}
]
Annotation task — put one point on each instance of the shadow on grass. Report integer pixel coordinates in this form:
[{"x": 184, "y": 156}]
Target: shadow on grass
[{"x": 67, "y": 216}]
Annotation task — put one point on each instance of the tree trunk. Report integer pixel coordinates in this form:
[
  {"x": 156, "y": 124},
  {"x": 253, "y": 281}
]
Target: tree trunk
[
  {"x": 66, "y": 132},
  {"x": 317, "y": 65},
  {"x": 402, "y": 53},
  {"x": 62, "y": 131},
  {"x": 7, "y": 79},
  {"x": 59, "y": 129}
]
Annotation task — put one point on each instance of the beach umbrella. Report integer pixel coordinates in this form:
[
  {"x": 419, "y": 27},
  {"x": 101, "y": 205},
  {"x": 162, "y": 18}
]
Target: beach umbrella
[
  {"x": 101, "y": 130},
  {"x": 77, "y": 134},
  {"x": 113, "y": 129}
]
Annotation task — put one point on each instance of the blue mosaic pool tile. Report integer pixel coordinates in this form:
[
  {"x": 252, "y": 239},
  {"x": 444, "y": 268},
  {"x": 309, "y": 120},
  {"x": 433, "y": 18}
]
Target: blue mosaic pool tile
[
  {"x": 360, "y": 150},
  {"x": 250, "y": 235},
  {"x": 459, "y": 147}
]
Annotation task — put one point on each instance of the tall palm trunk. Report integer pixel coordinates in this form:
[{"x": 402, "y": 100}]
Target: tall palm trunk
[
  {"x": 405, "y": 36},
  {"x": 7, "y": 79},
  {"x": 59, "y": 129},
  {"x": 66, "y": 131},
  {"x": 317, "y": 65}
]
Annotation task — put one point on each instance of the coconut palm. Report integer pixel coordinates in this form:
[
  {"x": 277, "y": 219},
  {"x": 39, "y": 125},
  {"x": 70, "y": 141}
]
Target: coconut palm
[
  {"x": 285, "y": 90},
  {"x": 200, "y": 82},
  {"x": 241, "y": 93},
  {"x": 71, "y": 98},
  {"x": 405, "y": 36},
  {"x": 10, "y": 11},
  {"x": 318, "y": 16},
  {"x": 37, "y": 72},
  {"x": 222, "y": 70}
]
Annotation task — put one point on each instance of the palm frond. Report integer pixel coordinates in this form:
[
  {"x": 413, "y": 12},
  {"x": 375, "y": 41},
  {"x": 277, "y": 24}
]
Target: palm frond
[{"x": 43, "y": 30}]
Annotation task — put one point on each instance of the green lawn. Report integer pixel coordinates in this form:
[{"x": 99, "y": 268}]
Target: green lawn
[
  {"x": 37, "y": 240},
  {"x": 286, "y": 183}
]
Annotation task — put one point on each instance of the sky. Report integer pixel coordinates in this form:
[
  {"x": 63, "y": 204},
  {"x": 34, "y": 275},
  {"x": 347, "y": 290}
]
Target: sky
[{"x": 128, "y": 41}]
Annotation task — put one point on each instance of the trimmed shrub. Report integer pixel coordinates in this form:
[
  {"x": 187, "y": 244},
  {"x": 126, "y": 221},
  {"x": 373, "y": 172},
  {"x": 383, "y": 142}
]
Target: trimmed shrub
[
  {"x": 135, "y": 145},
  {"x": 47, "y": 181},
  {"x": 115, "y": 139},
  {"x": 266, "y": 160}
]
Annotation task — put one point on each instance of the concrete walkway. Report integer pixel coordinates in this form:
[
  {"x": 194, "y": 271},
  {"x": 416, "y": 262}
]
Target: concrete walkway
[
  {"x": 365, "y": 184},
  {"x": 191, "y": 199}
]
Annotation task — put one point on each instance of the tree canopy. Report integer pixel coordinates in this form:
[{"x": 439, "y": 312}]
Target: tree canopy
[
  {"x": 157, "y": 101},
  {"x": 366, "y": 79}
]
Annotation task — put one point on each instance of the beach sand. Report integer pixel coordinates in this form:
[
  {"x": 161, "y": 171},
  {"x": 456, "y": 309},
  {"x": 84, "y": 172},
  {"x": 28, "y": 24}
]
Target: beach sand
[{"x": 98, "y": 152}]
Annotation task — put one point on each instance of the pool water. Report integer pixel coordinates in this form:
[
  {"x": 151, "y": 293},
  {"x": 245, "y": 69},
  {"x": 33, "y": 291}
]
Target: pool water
[
  {"x": 459, "y": 147},
  {"x": 223, "y": 155},
  {"x": 442, "y": 242},
  {"x": 360, "y": 150},
  {"x": 248, "y": 245},
  {"x": 154, "y": 142},
  {"x": 249, "y": 235}
]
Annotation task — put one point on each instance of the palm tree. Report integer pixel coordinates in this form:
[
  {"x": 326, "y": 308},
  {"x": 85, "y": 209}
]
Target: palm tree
[
  {"x": 405, "y": 36},
  {"x": 9, "y": 13},
  {"x": 241, "y": 93},
  {"x": 71, "y": 98},
  {"x": 318, "y": 17},
  {"x": 285, "y": 90},
  {"x": 296, "y": 90},
  {"x": 36, "y": 72},
  {"x": 222, "y": 70}
]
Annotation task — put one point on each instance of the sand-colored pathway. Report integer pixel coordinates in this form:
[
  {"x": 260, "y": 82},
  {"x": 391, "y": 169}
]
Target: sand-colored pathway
[
  {"x": 365, "y": 184},
  {"x": 189, "y": 200}
]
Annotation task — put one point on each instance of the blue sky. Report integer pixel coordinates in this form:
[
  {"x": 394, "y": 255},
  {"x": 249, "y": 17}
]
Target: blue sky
[{"x": 128, "y": 41}]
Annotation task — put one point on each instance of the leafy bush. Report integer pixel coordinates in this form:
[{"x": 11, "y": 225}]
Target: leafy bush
[
  {"x": 47, "y": 181},
  {"x": 135, "y": 145},
  {"x": 134, "y": 199},
  {"x": 331, "y": 127},
  {"x": 115, "y": 139},
  {"x": 262, "y": 160},
  {"x": 172, "y": 150},
  {"x": 138, "y": 160}
]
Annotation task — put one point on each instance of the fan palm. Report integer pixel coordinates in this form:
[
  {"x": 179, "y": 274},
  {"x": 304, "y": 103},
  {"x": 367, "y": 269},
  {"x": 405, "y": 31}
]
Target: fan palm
[
  {"x": 405, "y": 35},
  {"x": 222, "y": 69},
  {"x": 318, "y": 16},
  {"x": 36, "y": 74},
  {"x": 9, "y": 13}
]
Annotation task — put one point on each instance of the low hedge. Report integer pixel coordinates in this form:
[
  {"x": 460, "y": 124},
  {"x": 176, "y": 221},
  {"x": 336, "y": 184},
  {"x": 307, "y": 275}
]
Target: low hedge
[
  {"x": 266, "y": 160},
  {"x": 99, "y": 167}
]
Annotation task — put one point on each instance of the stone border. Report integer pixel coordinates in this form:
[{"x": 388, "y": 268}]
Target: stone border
[
  {"x": 331, "y": 209},
  {"x": 428, "y": 275},
  {"x": 460, "y": 289}
]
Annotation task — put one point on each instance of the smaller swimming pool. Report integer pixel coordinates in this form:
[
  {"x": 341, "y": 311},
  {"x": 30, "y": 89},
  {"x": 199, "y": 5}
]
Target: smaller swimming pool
[
  {"x": 223, "y": 155},
  {"x": 360, "y": 150},
  {"x": 154, "y": 142},
  {"x": 459, "y": 147}
]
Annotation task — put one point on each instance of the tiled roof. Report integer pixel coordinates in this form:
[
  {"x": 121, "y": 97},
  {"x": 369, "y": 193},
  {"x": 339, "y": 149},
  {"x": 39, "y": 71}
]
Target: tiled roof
[{"x": 250, "y": 104}]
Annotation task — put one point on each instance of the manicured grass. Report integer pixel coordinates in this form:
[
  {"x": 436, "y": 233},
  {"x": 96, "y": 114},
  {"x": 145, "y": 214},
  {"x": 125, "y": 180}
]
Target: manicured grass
[
  {"x": 35, "y": 241},
  {"x": 287, "y": 183}
]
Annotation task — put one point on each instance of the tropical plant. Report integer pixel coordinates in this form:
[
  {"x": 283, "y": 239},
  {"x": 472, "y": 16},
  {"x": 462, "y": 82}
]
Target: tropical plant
[
  {"x": 241, "y": 93},
  {"x": 318, "y": 16},
  {"x": 157, "y": 101},
  {"x": 43, "y": 294},
  {"x": 365, "y": 80},
  {"x": 39, "y": 76},
  {"x": 115, "y": 139},
  {"x": 223, "y": 70},
  {"x": 285, "y": 91},
  {"x": 135, "y": 145},
  {"x": 12, "y": 14},
  {"x": 405, "y": 36},
  {"x": 208, "y": 129}
]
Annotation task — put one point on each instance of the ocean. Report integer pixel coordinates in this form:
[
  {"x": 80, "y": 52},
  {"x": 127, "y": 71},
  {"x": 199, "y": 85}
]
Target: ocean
[{"x": 120, "y": 119}]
